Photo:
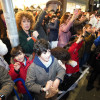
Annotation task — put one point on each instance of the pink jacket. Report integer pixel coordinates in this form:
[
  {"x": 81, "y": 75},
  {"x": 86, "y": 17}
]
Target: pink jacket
[{"x": 64, "y": 34}]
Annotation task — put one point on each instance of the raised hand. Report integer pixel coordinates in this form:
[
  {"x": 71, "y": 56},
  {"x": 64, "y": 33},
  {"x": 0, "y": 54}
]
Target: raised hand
[
  {"x": 80, "y": 38},
  {"x": 76, "y": 13},
  {"x": 17, "y": 66},
  {"x": 35, "y": 34}
]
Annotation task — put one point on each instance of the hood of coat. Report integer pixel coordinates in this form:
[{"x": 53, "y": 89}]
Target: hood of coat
[{"x": 40, "y": 64}]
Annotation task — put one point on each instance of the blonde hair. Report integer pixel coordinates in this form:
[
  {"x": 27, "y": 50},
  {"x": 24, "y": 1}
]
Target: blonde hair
[{"x": 20, "y": 15}]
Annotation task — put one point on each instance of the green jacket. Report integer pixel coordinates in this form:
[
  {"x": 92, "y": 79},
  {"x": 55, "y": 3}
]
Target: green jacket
[{"x": 26, "y": 45}]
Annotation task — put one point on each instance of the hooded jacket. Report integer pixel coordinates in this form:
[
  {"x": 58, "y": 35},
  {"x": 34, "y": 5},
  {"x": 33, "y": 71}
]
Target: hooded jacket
[{"x": 38, "y": 74}]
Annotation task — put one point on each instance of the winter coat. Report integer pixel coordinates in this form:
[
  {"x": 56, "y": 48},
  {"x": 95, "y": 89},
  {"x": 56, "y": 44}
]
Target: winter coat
[
  {"x": 38, "y": 74},
  {"x": 3, "y": 51},
  {"x": 38, "y": 26},
  {"x": 89, "y": 39},
  {"x": 96, "y": 43},
  {"x": 21, "y": 74},
  {"x": 4, "y": 63},
  {"x": 26, "y": 45},
  {"x": 3, "y": 48},
  {"x": 73, "y": 50},
  {"x": 6, "y": 84},
  {"x": 54, "y": 28},
  {"x": 64, "y": 34}
]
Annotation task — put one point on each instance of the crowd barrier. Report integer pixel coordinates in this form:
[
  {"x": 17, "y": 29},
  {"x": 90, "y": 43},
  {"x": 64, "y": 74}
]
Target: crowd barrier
[{"x": 72, "y": 86}]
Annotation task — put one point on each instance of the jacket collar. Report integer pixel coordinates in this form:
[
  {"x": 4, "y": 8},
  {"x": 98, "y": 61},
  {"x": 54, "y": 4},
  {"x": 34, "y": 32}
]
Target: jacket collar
[
  {"x": 22, "y": 31},
  {"x": 40, "y": 64}
]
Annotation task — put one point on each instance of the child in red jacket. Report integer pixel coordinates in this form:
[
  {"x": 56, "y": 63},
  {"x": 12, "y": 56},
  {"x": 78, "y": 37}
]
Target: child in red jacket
[
  {"x": 72, "y": 66},
  {"x": 69, "y": 60},
  {"x": 72, "y": 62},
  {"x": 19, "y": 67}
]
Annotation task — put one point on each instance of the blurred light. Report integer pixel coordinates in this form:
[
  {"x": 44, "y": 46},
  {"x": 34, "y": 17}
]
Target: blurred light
[
  {"x": 27, "y": 3},
  {"x": 42, "y": 6},
  {"x": 18, "y": 4},
  {"x": 35, "y": 6},
  {"x": 77, "y": 6},
  {"x": 98, "y": 5}
]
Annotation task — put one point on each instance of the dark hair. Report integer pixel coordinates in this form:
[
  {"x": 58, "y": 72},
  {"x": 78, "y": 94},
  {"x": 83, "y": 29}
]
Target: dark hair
[
  {"x": 1, "y": 11},
  {"x": 97, "y": 15},
  {"x": 99, "y": 30},
  {"x": 41, "y": 46},
  {"x": 53, "y": 16},
  {"x": 69, "y": 44},
  {"x": 16, "y": 51},
  {"x": 87, "y": 25},
  {"x": 93, "y": 12},
  {"x": 60, "y": 53}
]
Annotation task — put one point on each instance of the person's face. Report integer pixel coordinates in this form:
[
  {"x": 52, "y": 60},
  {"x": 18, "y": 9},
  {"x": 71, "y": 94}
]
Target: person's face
[
  {"x": 89, "y": 29},
  {"x": 25, "y": 24},
  {"x": 20, "y": 57},
  {"x": 45, "y": 56},
  {"x": 53, "y": 20}
]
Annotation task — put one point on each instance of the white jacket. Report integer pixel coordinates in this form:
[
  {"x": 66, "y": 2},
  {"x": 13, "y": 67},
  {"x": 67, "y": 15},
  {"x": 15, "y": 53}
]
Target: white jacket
[
  {"x": 3, "y": 51},
  {"x": 3, "y": 48},
  {"x": 93, "y": 21}
]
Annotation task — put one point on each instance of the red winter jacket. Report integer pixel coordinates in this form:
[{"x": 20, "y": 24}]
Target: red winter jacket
[
  {"x": 73, "y": 50},
  {"x": 22, "y": 74}
]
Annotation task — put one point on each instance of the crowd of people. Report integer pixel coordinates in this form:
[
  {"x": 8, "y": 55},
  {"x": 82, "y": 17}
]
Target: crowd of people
[{"x": 53, "y": 50}]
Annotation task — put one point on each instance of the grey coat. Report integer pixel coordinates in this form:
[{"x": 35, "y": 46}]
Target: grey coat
[
  {"x": 38, "y": 26},
  {"x": 38, "y": 77},
  {"x": 6, "y": 84}
]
